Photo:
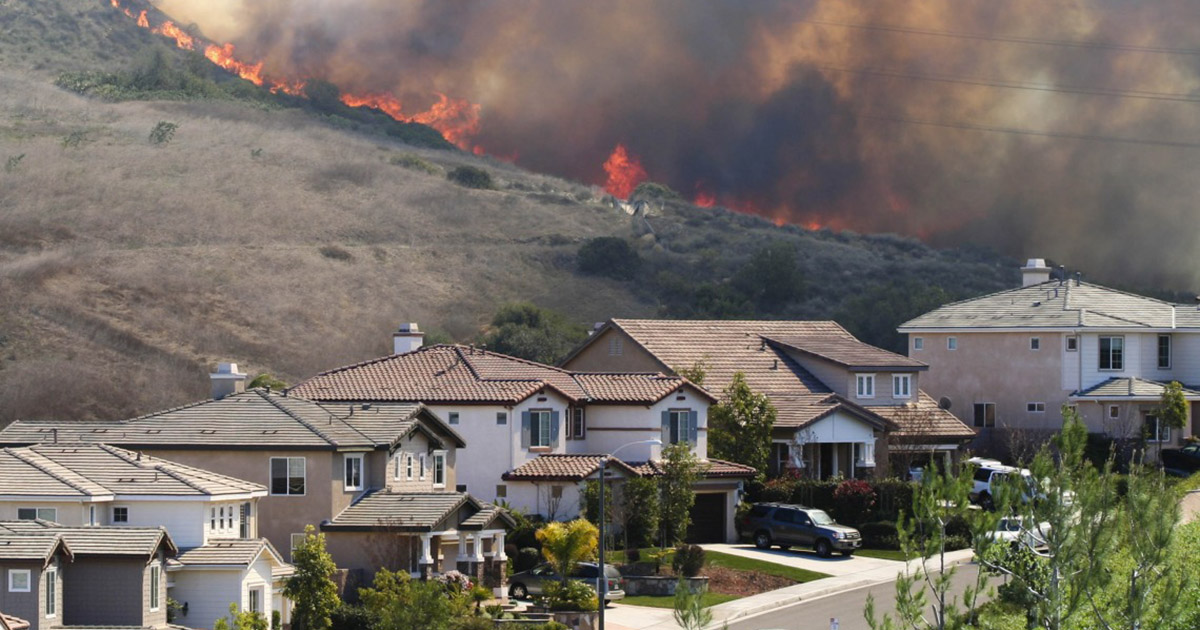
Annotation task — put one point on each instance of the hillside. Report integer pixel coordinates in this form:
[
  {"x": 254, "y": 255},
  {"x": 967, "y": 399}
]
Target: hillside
[{"x": 268, "y": 237}]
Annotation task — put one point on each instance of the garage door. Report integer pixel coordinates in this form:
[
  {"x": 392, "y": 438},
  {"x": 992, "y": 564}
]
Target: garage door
[{"x": 708, "y": 519}]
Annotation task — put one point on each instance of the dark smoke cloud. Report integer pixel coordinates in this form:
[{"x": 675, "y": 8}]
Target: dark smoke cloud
[{"x": 741, "y": 100}]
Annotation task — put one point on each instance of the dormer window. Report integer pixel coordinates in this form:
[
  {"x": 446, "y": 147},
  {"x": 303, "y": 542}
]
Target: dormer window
[
  {"x": 354, "y": 472},
  {"x": 901, "y": 386},
  {"x": 865, "y": 385}
]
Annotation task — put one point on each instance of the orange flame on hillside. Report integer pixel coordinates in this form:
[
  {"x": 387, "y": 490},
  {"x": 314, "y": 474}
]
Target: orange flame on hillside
[
  {"x": 223, "y": 56},
  {"x": 168, "y": 29},
  {"x": 456, "y": 119},
  {"x": 624, "y": 173},
  {"x": 142, "y": 21}
]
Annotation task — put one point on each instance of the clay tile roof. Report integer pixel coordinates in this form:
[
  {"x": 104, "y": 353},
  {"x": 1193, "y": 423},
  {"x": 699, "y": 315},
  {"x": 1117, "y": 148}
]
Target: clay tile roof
[
  {"x": 1130, "y": 388},
  {"x": 233, "y": 552},
  {"x": 715, "y": 469},
  {"x": 8, "y": 622},
  {"x": 848, "y": 352},
  {"x": 402, "y": 511},
  {"x": 102, "y": 540},
  {"x": 924, "y": 419},
  {"x": 447, "y": 373},
  {"x": 564, "y": 467}
]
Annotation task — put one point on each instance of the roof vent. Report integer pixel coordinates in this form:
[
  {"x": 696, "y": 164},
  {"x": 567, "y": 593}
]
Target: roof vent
[{"x": 1034, "y": 272}]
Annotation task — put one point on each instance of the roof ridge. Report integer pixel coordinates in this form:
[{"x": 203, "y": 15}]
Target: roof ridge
[
  {"x": 345, "y": 420},
  {"x": 25, "y": 457},
  {"x": 302, "y": 421}
]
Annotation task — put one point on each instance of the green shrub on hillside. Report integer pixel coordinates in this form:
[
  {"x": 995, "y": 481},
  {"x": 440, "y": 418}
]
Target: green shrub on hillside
[
  {"x": 414, "y": 162},
  {"x": 524, "y": 330},
  {"x": 609, "y": 256},
  {"x": 471, "y": 177},
  {"x": 653, "y": 190}
]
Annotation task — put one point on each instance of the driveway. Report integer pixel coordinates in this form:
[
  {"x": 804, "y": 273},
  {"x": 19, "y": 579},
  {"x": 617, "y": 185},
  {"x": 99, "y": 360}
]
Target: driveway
[{"x": 837, "y": 566}]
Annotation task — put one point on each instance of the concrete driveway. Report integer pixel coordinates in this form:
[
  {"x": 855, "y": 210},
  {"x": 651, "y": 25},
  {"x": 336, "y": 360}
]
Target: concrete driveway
[{"x": 837, "y": 566}]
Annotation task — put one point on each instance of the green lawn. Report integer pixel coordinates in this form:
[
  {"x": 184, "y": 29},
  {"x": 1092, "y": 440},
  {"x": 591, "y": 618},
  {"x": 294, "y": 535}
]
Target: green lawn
[
  {"x": 882, "y": 554},
  {"x": 668, "y": 601},
  {"x": 718, "y": 559}
]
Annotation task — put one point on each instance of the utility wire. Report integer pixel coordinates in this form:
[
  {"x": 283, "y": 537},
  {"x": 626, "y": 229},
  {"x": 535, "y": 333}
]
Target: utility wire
[
  {"x": 1007, "y": 38},
  {"x": 1175, "y": 144}
]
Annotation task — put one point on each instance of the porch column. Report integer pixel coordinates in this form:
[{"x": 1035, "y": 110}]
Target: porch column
[
  {"x": 833, "y": 451},
  {"x": 853, "y": 460},
  {"x": 477, "y": 540},
  {"x": 498, "y": 541},
  {"x": 426, "y": 560},
  {"x": 462, "y": 548}
]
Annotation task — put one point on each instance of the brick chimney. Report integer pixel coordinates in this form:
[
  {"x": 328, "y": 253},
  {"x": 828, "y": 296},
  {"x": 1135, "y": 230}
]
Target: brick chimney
[
  {"x": 1034, "y": 272},
  {"x": 407, "y": 338},
  {"x": 227, "y": 381}
]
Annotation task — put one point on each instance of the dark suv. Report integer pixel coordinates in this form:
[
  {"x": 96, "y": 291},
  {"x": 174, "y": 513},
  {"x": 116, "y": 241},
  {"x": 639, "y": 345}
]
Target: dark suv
[{"x": 795, "y": 525}]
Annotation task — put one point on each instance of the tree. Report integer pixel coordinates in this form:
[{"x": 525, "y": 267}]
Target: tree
[
  {"x": 311, "y": 587},
  {"x": 771, "y": 279},
  {"x": 609, "y": 256},
  {"x": 471, "y": 177},
  {"x": 905, "y": 300},
  {"x": 402, "y": 603},
  {"x": 739, "y": 427},
  {"x": 1173, "y": 408},
  {"x": 530, "y": 332},
  {"x": 633, "y": 505},
  {"x": 696, "y": 373},
  {"x": 244, "y": 620},
  {"x": 566, "y": 544},
  {"x": 681, "y": 470},
  {"x": 267, "y": 381},
  {"x": 690, "y": 612}
]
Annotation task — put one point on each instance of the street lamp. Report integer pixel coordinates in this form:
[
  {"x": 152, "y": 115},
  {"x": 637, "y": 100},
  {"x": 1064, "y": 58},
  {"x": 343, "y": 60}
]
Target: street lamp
[{"x": 603, "y": 590}]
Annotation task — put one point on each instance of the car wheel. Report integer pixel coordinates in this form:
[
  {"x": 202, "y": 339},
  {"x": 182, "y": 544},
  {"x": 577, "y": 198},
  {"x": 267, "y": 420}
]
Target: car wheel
[
  {"x": 762, "y": 540},
  {"x": 518, "y": 591},
  {"x": 823, "y": 548}
]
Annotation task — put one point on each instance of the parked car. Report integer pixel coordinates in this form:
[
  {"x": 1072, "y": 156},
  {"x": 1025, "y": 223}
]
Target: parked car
[
  {"x": 532, "y": 582},
  {"x": 1012, "y": 530},
  {"x": 1181, "y": 461},
  {"x": 990, "y": 474},
  {"x": 788, "y": 525}
]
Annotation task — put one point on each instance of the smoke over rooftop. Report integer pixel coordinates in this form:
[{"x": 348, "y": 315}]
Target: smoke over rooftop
[{"x": 1067, "y": 128}]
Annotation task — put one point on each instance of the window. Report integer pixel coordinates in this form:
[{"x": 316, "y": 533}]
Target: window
[
  {"x": 353, "y": 477},
  {"x": 408, "y": 466},
  {"x": 439, "y": 469},
  {"x": 985, "y": 414},
  {"x": 614, "y": 346},
  {"x": 578, "y": 429},
  {"x": 244, "y": 517},
  {"x": 92, "y": 515},
  {"x": 222, "y": 521},
  {"x": 287, "y": 475},
  {"x": 1114, "y": 411},
  {"x": 421, "y": 461},
  {"x": 556, "y": 492},
  {"x": 52, "y": 593},
  {"x": 918, "y": 343},
  {"x": 1035, "y": 343},
  {"x": 952, "y": 343},
  {"x": 539, "y": 428},
  {"x": 1035, "y": 407},
  {"x": 1072, "y": 343},
  {"x": 19, "y": 580},
  {"x": 866, "y": 385},
  {"x": 677, "y": 425},
  {"x": 501, "y": 417},
  {"x": 1164, "y": 352},
  {"x": 453, "y": 416},
  {"x": 501, "y": 491},
  {"x": 155, "y": 585},
  {"x": 901, "y": 386},
  {"x": 45, "y": 514},
  {"x": 1112, "y": 353},
  {"x": 1157, "y": 431},
  {"x": 254, "y": 600},
  {"x": 297, "y": 541}
]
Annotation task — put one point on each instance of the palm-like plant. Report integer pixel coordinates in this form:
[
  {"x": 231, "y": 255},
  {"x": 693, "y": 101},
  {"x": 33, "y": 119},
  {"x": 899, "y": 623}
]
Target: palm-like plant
[{"x": 566, "y": 544}]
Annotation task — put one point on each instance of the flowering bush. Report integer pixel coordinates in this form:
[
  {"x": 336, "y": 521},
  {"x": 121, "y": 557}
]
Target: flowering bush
[
  {"x": 854, "y": 499},
  {"x": 454, "y": 580}
]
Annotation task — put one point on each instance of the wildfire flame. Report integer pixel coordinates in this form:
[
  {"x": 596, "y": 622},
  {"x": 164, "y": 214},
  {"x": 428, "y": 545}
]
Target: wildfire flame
[
  {"x": 624, "y": 173},
  {"x": 168, "y": 29},
  {"x": 142, "y": 21}
]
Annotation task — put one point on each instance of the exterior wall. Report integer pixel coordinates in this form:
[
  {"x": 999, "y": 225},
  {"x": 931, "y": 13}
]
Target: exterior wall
[
  {"x": 595, "y": 357},
  {"x": 1130, "y": 421},
  {"x": 998, "y": 368},
  {"x": 611, "y": 426},
  {"x": 70, "y": 513},
  {"x": 370, "y": 551},
  {"x": 415, "y": 445},
  {"x": 208, "y": 594},
  {"x": 279, "y": 516},
  {"x": 259, "y": 577},
  {"x": 31, "y": 606},
  {"x": 109, "y": 592},
  {"x": 844, "y": 381},
  {"x": 536, "y": 498}
]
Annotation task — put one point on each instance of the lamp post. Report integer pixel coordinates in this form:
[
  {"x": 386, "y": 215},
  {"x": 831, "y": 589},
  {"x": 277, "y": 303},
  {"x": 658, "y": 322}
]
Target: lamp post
[{"x": 603, "y": 582}]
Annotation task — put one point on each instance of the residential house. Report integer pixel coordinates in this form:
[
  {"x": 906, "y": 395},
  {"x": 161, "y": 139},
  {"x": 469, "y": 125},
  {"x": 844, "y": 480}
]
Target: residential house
[
  {"x": 117, "y": 576},
  {"x": 248, "y": 572},
  {"x": 314, "y": 461},
  {"x": 1007, "y": 362},
  {"x": 31, "y": 567},
  {"x": 512, "y": 412},
  {"x": 841, "y": 404},
  {"x": 90, "y": 486}
]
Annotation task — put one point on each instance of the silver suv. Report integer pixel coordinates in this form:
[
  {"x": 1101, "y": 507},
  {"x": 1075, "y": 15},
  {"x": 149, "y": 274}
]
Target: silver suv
[{"x": 789, "y": 525}]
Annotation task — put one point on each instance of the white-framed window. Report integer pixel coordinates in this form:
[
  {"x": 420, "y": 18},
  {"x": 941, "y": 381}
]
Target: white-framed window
[
  {"x": 901, "y": 386},
  {"x": 254, "y": 600},
  {"x": 1164, "y": 352},
  {"x": 439, "y": 469},
  {"x": 452, "y": 417},
  {"x": 1156, "y": 430},
  {"x": 864, "y": 385},
  {"x": 1035, "y": 343},
  {"x": 398, "y": 469},
  {"x": 223, "y": 520},
  {"x": 353, "y": 477},
  {"x": 155, "y": 586},
  {"x": 614, "y": 346},
  {"x": 952, "y": 343},
  {"x": 52, "y": 592},
  {"x": 408, "y": 466},
  {"x": 918, "y": 343},
  {"x": 45, "y": 514},
  {"x": 539, "y": 427},
  {"x": 287, "y": 475},
  {"x": 1072, "y": 343},
  {"x": 20, "y": 580},
  {"x": 501, "y": 417},
  {"x": 1114, "y": 411},
  {"x": 421, "y": 466},
  {"x": 985, "y": 414},
  {"x": 297, "y": 540},
  {"x": 92, "y": 516},
  {"x": 501, "y": 491},
  {"x": 1035, "y": 407},
  {"x": 677, "y": 425},
  {"x": 1112, "y": 353},
  {"x": 578, "y": 425},
  {"x": 244, "y": 518}
]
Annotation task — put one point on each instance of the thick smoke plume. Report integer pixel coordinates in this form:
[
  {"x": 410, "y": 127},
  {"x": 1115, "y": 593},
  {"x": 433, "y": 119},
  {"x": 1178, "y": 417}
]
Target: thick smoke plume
[{"x": 1060, "y": 128}]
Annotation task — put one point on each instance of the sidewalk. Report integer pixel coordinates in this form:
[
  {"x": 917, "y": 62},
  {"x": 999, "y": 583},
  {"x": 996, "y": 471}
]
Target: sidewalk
[{"x": 642, "y": 618}]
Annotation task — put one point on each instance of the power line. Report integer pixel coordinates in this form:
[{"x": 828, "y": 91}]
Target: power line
[
  {"x": 1007, "y": 38},
  {"x": 1175, "y": 144},
  {"x": 1018, "y": 85}
]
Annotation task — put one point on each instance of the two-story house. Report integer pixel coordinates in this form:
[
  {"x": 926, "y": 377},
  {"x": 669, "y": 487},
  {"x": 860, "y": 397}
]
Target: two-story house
[
  {"x": 1007, "y": 362},
  {"x": 319, "y": 465},
  {"x": 840, "y": 403},
  {"x": 117, "y": 575},
  {"x": 513, "y": 411},
  {"x": 91, "y": 486},
  {"x": 31, "y": 577}
]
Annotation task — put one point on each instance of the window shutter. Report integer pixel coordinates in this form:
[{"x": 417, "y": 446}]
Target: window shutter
[
  {"x": 554, "y": 418},
  {"x": 694, "y": 427},
  {"x": 666, "y": 428},
  {"x": 524, "y": 429}
]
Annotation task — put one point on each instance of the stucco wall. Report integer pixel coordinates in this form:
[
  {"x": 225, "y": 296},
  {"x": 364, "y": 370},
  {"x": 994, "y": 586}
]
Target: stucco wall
[
  {"x": 208, "y": 594},
  {"x": 537, "y": 498},
  {"x": 371, "y": 551},
  {"x": 70, "y": 513},
  {"x": 612, "y": 426},
  {"x": 595, "y": 356}
]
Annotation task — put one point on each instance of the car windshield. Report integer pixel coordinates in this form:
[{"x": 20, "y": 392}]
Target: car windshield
[{"x": 820, "y": 517}]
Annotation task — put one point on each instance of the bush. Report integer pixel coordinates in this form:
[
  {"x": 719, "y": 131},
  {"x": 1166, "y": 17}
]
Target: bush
[
  {"x": 653, "y": 190},
  {"x": 414, "y": 162},
  {"x": 688, "y": 560},
  {"x": 892, "y": 496},
  {"x": 570, "y": 596},
  {"x": 333, "y": 252},
  {"x": 854, "y": 498},
  {"x": 633, "y": 555},
  {"x": 353, "y": 617},
  {"x": 609, "y": 256},
  {"x": 468, "y": 623},
  {"x": 778, "y": 490},
  {"x": 880, "y": 535},
  {"x": 527, "y": 558},
  {"x": 471, "y": 177}
]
